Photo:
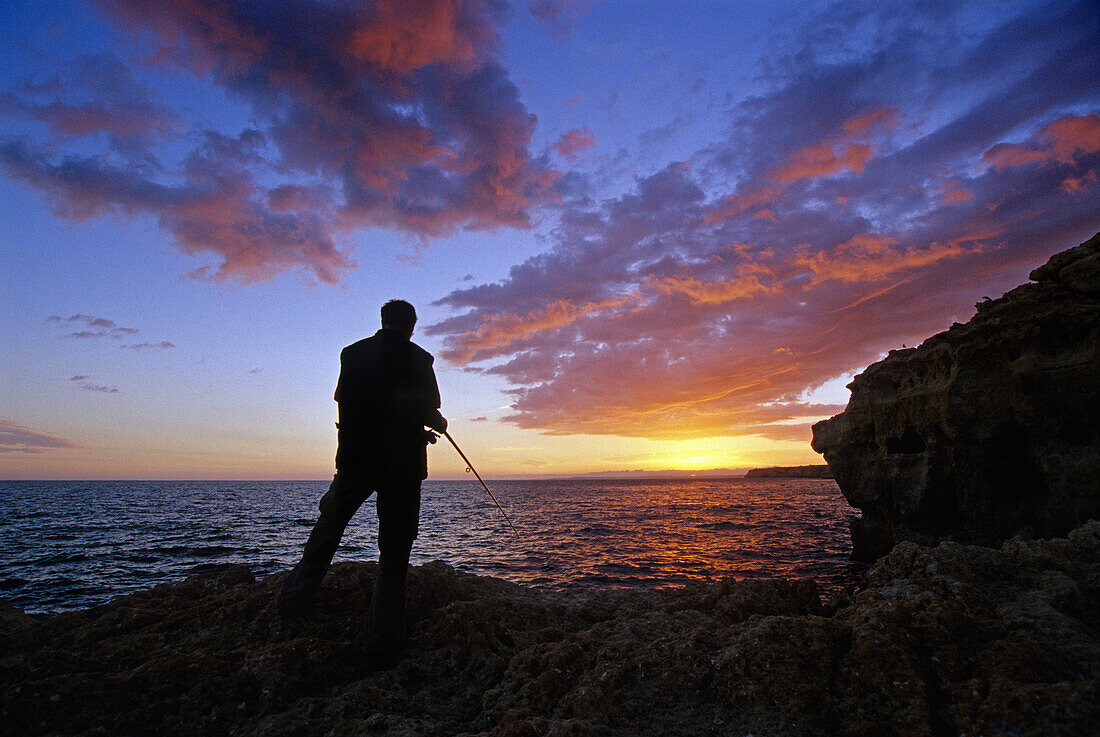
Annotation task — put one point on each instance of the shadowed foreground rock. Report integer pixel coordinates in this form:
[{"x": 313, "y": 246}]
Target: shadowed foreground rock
[
  {"x": 944, "y": 640},
  {"x": 985, "y": 431}
]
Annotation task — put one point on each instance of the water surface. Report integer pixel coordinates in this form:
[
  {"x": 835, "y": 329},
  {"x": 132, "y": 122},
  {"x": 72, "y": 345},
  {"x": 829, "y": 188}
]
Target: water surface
[{"x": 69, "y": 545}]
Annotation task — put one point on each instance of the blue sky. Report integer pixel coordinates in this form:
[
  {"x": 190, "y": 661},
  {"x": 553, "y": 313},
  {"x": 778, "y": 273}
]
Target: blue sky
[{"x": 640, "y": 235}]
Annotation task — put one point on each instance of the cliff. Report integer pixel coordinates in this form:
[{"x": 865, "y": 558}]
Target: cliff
[
  {"x": 944, "y": 640},
  {"x": 791, "y": 472},
  {"x": 985, "y": 431}
]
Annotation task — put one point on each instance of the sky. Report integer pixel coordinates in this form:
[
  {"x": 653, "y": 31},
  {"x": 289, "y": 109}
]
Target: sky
[{"x": 640, "y": 236}]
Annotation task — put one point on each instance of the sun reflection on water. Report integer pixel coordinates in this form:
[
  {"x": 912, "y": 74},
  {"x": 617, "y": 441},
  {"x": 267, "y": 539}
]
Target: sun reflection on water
[{"x": 66, "y": 545}]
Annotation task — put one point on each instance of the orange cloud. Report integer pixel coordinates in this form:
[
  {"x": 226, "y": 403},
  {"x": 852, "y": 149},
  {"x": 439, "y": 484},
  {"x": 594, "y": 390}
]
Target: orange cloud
[
  {"x": 953, "y": 193},
  {"x": 848, "y": 152},
  {"x": 1060, "y": 141},
  {"x": 702, "y": 292},
  {"x": 500, "y": 333},
  {"x": 740, "y": 202},
  {"x": 822, "y": 161},
  {"x": 872, "y": 257},
  {"x": 884, "y": 117}
]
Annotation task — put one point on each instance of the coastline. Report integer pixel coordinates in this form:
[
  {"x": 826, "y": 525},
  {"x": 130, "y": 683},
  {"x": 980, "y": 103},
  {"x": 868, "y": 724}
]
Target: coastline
[
  {"x": 939, "y": 640},
  {"x": 819, "y": 471}
]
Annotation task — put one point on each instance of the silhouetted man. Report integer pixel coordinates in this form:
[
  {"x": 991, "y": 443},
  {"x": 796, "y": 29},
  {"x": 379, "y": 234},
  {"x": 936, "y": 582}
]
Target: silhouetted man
[{"x": 387, "y": 394}]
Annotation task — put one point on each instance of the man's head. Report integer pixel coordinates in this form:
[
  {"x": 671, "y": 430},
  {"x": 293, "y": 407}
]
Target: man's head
[{"x": 399, "y": 315}]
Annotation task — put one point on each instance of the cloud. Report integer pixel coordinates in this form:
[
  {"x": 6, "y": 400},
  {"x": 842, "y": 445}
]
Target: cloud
[
  {"x": 101, "y": 327},
  {"x": 677, "y": 309},
  {"x": 15, "y": 438},
  {"x": 97, "y": 95},
  {"x": 389, "y": 115},
  {"x": 95, "y": 327},
  {"x": 1061, "y": 142},
  {"x": 560, "y": 14},
  {"x": 571, "y": 143},
  {"x": 83, "y": 383}
]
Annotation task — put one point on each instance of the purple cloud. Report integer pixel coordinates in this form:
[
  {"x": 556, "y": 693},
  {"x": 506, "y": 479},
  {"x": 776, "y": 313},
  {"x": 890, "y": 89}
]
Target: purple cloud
[
  {"x": 386, "y": 114},
  {"x": 98, "y": 327},
  {"x": 102, "y": 327},
  {"x": 853, "y": 208},
  {"x": 88, "y": 386},
  {"x": 15, "y": 438},
  {"x": 560, "y": 14},
  {"x": 96, "y": 95}
]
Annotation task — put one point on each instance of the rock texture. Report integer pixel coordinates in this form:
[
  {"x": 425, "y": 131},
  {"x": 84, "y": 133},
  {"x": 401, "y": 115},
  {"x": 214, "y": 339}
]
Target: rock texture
[
  {"x": 985, "y": 431},
  {"x": 820, "y": 471},
  {"x": 940, "y": 641}
]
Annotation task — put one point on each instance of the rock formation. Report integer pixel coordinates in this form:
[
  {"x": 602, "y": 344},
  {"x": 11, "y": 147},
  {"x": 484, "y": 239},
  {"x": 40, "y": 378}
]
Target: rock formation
[
  {"x": 945, "y": 640},
  {"x": 985, "y": 431},
  {"x": 820, "y": 471}
]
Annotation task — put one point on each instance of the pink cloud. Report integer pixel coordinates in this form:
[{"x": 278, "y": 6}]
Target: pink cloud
[
  {"x": 1075, "y": 185},
  {"x": 84, "y": 120},
  {"x": 400, "y": 37},
  {"x": 573, "y": 142},
  {"x": 1073, "y": 135},
  {"x": 1010, "y": 155}
]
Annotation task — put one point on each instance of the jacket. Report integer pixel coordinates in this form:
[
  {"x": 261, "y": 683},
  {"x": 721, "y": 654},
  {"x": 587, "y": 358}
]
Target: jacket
[{"x": 387, "y": 393}]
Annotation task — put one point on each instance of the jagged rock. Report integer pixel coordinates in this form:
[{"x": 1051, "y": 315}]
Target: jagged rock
[
  {"x": 985, "y": 431},
  {"x": 946, "y": 640}
]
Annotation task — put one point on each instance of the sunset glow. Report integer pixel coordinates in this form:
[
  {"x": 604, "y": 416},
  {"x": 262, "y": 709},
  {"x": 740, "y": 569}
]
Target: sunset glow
[{"x": 640, "y": 237}]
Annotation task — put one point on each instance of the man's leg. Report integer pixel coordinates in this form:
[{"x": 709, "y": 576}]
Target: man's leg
[
  {"x": 398, "y": 523},
  {"x": 344, "y": 497}
]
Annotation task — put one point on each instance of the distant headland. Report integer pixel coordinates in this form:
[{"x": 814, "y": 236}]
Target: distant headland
[{"x": 791, "y": 472}]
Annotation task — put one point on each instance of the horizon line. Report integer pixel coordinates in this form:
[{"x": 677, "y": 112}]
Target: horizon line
[{"x": 712, "y": 473}]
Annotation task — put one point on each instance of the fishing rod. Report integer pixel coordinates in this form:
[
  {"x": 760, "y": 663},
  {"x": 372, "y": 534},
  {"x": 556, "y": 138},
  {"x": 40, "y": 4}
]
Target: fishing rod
[{"x": 470, "y": 468}]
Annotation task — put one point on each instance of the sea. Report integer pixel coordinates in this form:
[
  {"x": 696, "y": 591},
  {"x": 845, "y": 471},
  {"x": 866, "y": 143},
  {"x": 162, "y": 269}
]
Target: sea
[{"x": 68, "y": 545}]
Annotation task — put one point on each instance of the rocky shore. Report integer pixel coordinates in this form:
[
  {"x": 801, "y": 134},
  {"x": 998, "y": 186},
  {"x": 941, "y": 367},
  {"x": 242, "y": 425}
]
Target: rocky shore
[
  {"x": 985, "y": 431},
  {"x": 944, "y": 640}
]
